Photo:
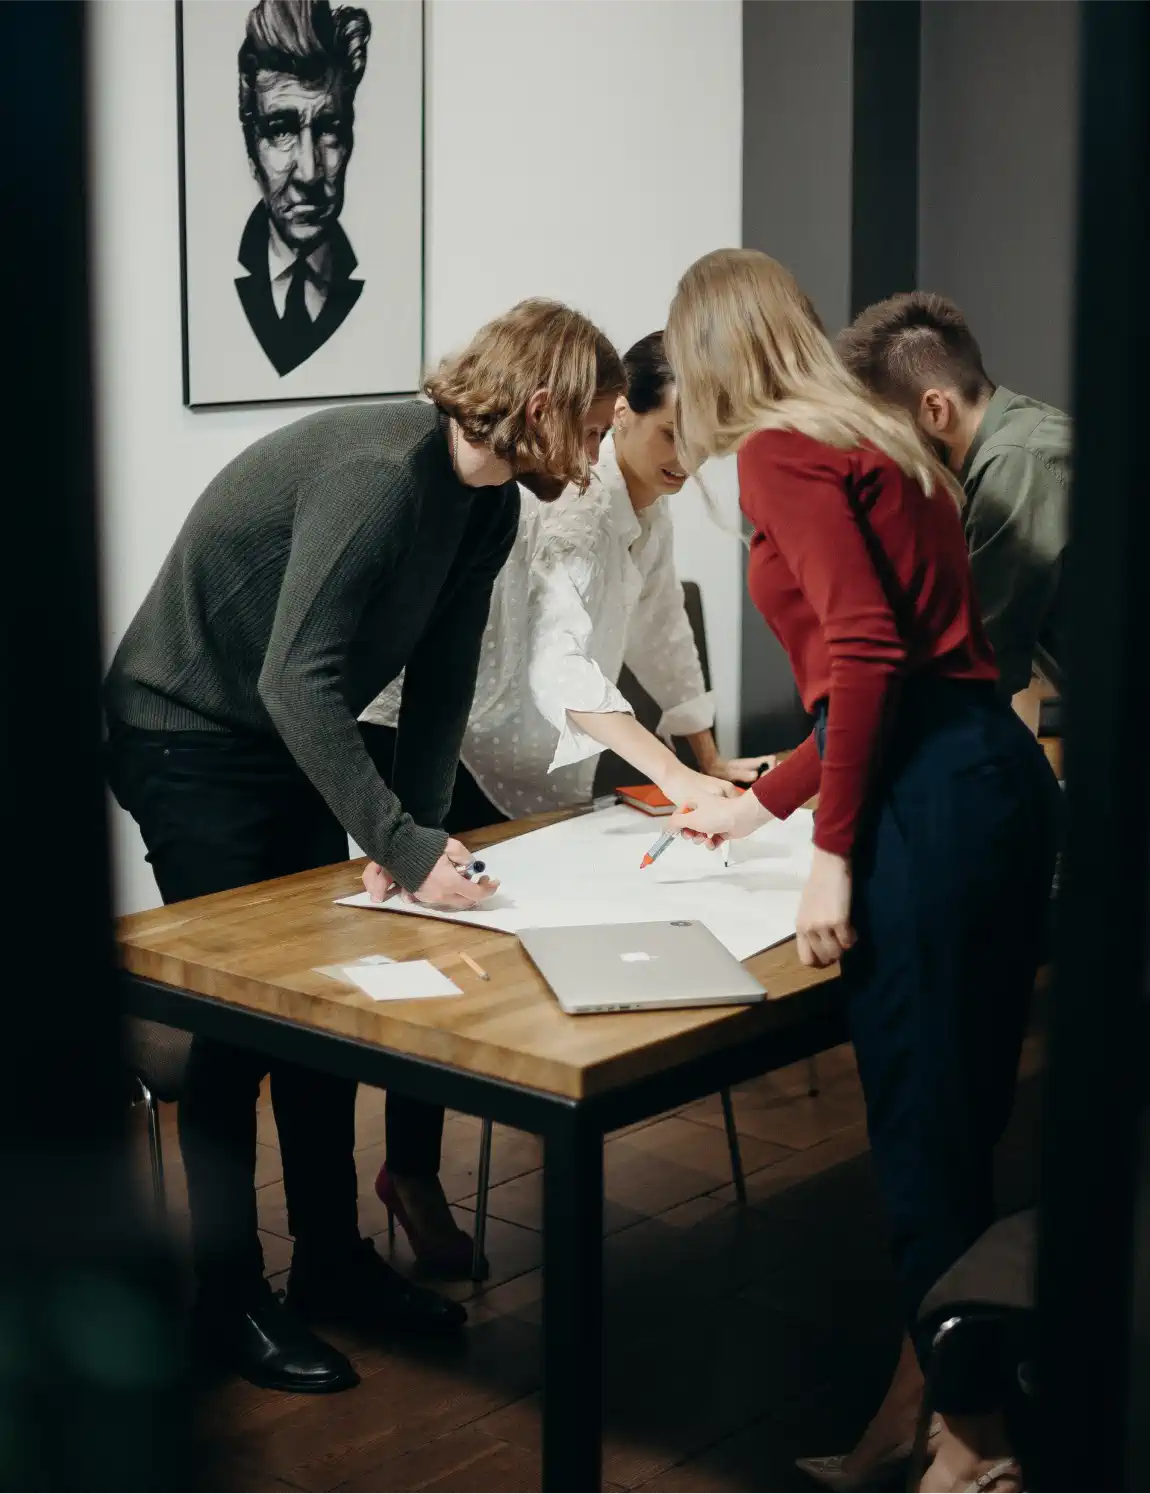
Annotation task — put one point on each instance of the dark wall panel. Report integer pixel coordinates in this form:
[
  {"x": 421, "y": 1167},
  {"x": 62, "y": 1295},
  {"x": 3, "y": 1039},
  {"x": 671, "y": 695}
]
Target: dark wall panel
[
  {"x": 997, "y": 180},
  {"x": 884, "y": 176},
  {"x": 830, "y": 187}
]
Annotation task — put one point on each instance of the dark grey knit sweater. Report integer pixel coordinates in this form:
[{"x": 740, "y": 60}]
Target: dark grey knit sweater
[{"x": 322, "y": 561}]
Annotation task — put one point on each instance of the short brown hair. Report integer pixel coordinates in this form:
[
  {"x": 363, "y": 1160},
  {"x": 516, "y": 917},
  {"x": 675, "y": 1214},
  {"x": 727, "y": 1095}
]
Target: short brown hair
[
  {"x": 913, "y": 342},
  {"x": 536, "y": 345}
]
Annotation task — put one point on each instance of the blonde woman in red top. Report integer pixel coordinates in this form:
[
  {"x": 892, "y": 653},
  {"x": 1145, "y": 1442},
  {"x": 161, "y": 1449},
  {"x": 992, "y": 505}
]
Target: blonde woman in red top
[{"x": 935, "y": 831}]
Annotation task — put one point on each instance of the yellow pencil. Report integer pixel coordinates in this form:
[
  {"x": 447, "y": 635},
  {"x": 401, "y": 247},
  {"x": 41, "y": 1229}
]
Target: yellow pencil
[{"x": 479, "y": 970}]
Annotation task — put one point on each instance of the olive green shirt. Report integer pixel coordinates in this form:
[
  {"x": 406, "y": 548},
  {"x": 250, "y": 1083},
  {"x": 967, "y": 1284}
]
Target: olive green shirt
[{"x": 1016, "y": 477}]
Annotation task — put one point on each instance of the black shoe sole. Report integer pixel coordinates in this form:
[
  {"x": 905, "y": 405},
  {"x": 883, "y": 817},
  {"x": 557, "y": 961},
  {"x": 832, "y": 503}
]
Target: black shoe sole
[
  {"x": 293, "y": 1387},
  {"x": 212, "y": 1368}
]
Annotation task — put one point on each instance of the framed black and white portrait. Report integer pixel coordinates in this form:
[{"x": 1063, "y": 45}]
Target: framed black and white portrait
[{"x": 301, "y": 171}]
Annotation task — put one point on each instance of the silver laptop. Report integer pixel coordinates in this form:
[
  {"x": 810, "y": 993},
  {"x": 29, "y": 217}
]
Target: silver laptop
[{"x": 639, "y": 967}]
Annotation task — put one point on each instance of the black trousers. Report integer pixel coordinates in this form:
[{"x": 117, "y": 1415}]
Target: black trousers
[
  {"x": 952, "y": 877},
  {"x": 217, "y": 812},
  {"x": 415, "y": 1127}
]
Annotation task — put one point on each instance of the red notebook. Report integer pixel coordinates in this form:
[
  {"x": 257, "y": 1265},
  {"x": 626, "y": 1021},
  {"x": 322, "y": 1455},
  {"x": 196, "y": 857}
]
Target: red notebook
[
  {"x": 650, "y": 799},
  {"x": 646, "y": 797}
]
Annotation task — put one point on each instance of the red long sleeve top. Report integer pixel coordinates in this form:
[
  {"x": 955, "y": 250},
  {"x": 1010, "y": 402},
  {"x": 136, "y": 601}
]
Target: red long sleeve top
[{"x": 864, "y": 579}]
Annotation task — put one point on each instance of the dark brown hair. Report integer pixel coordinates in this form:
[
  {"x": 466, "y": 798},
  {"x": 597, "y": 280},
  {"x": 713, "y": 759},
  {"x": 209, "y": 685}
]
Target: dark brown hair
[
  {"x": 536, "y": 345},
  {"x": 648, "y": 373},
  {"x": 913, "y": 342}
]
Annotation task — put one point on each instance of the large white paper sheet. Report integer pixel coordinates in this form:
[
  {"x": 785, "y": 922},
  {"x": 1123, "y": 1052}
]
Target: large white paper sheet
[{"x": 586, "y": 871}]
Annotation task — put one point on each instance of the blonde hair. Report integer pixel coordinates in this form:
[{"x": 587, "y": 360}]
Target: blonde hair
[
  {"x": 750, "y": 355},
  {"x": 536, "y": 345}
]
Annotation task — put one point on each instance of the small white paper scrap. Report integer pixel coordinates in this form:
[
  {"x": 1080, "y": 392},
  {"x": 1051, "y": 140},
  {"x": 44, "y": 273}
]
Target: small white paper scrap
[
  {"x": 338, "y": 972},
  {"x": 405, "y": 980}
]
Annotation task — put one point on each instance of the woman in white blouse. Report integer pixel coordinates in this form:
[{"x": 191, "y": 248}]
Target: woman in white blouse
[{"x": 590, "y": 585}]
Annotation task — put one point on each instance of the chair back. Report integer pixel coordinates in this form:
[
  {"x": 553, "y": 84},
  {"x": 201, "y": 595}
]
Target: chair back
[
  {"x": 997, "y": 1272},
  {"x": 159, "y": 1055}
]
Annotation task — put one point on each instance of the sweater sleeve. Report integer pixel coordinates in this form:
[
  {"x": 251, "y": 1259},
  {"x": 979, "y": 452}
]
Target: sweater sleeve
[
  {"x": 351, "y": 524},
  {"x": 1016, "y": 530},
  {"x": 796, "y": 779},
  {"x": 439, "y": 680},
  {"x": 796, "y": 492}
]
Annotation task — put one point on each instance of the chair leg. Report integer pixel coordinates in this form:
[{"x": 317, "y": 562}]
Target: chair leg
[
  {"x": 812, "y": 1076},
  {"x": 737, "y": 1177},
  {"x": 155, "y": 1147},
  {"x": 481, "y": 1202}
]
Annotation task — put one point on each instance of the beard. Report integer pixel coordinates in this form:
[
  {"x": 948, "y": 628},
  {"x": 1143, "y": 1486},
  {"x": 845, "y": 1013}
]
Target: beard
[{"x": 545, "y": 487}]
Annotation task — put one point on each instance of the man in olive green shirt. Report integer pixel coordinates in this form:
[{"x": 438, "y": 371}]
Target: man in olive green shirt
[{"x": 1012, "y": 455}]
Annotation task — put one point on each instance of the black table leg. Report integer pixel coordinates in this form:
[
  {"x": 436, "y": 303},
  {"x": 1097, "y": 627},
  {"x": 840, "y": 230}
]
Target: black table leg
[{"x": 573, "y": 1306}]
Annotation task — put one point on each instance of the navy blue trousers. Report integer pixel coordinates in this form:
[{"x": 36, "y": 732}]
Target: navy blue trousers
[{"x": 952, "y": 874}]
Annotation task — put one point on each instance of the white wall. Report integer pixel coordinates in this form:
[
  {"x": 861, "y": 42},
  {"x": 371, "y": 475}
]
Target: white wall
[{"x": 575, "y": 148}]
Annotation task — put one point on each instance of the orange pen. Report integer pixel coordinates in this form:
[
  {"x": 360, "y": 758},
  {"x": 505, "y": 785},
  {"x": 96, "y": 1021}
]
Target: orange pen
[{"x": 662, "y": 843}]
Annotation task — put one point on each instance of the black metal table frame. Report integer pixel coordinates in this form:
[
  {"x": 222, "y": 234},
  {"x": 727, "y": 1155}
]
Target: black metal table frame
[{"x": 573, "y": 1132}]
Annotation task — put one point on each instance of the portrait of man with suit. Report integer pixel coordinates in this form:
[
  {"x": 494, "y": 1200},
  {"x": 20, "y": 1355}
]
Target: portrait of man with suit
[{"x": 300, "y": 65}]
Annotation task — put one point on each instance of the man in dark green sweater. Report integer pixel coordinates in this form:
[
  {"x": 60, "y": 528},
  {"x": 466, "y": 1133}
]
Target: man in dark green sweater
[
  {"x": 1011, "y": 454},
  {"x": 324, "y": 560}
]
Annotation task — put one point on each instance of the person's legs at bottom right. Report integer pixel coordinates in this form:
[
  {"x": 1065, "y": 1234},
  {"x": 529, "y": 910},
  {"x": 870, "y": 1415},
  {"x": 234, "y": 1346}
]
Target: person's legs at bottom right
[{"x": 951, "y": 884}]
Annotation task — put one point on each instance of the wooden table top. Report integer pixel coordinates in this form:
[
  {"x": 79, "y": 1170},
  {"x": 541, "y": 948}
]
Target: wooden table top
[
  {"x": 1052, "y": 746},
  {"x": 258, "y": 948}
]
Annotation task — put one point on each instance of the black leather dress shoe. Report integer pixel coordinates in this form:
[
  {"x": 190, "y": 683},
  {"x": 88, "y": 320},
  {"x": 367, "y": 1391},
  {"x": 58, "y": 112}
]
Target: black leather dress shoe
[
  {"x": 258, "y": 1338},
  {"x": 358, "y": 1290}
]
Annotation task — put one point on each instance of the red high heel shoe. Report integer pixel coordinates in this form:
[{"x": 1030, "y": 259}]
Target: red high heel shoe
[{"x": 453, "y": 1261}]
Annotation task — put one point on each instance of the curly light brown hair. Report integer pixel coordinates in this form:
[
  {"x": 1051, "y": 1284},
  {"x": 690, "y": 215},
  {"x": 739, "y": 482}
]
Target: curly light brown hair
[{"x": 538, "y": 344}]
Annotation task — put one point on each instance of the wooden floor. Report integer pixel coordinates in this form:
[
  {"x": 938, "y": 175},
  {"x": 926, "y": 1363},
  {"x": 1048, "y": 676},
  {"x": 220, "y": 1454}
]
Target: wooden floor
[{"x": 737, "y": 1338}]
